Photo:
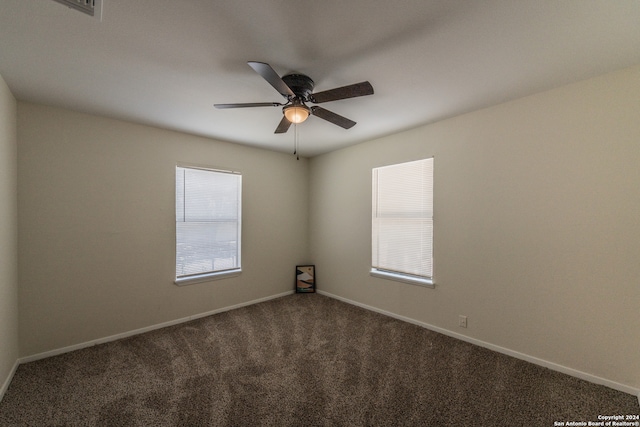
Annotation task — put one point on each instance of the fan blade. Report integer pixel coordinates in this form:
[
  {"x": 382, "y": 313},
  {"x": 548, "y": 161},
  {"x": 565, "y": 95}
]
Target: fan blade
[
  {"x": 272, "y": 77},
  {"x": 332, "y": 117},
  {"x": 283, "y": 127},
  {"x": 250, "y": 104},
  {"x": 344, "y": 92}
]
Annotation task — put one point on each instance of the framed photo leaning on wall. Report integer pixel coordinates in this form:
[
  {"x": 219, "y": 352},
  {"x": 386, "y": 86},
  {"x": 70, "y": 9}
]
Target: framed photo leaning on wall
[{"x": 305, "y": 278}]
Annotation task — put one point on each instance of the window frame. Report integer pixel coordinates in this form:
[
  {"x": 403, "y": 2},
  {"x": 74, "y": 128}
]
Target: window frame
[
  {"x": 216, "y": 274},
  {"x": 425, "y": 281}
]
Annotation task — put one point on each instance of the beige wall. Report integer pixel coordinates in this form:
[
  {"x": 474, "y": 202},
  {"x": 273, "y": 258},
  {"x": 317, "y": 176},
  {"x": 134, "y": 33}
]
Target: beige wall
[
  {"x": 96, "y": 231},
  {"x": 8, "y": 235},
  {"x": 537, "y": 230},
  {"x": 537, "y": 226}
]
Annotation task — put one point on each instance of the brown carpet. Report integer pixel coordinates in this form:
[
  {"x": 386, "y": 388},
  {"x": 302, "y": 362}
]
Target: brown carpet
[{"x": 301, "y": 360}]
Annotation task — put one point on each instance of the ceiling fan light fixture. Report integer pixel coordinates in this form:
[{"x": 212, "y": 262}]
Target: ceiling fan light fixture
[
  {"x": 296, "y": 113},
  {"x": 298, "y": 89}
]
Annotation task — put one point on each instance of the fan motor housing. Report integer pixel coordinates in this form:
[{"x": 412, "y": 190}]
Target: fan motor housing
[{"x": 299, "y": 84}]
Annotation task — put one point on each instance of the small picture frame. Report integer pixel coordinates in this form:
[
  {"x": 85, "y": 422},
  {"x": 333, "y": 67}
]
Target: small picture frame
[{"x": 305, "y": 278}]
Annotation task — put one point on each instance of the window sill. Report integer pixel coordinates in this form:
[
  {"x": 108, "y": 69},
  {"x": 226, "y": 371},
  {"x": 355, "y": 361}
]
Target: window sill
[
  {"x": 412, "y": 280},
  {"x": 182, "y": 281}
]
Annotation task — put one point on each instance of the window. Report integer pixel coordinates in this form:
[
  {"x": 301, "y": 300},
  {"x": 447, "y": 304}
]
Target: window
[
  {"x": 402, "y": 222},
  {"x": 208, "y": 224}
]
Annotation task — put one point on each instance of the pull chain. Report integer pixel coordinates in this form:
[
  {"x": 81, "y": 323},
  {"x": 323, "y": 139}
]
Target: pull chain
[{"x": 295, "y": 141}]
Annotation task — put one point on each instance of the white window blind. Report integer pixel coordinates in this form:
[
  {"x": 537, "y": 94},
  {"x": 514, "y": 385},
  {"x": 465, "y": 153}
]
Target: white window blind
[
  {"x": 402, "y": 219},
  {"x": 208, "y": 221}
]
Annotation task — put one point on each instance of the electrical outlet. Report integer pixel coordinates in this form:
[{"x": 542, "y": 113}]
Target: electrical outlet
[{"x": 462, "y": 321}]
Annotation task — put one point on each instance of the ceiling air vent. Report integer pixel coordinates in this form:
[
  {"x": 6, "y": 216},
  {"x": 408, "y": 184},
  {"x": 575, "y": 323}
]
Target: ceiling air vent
[{"x": 90, "y": 7}]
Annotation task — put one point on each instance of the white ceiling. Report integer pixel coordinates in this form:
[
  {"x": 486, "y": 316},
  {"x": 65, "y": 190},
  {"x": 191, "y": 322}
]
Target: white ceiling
[{"x": 166, "y": 62}]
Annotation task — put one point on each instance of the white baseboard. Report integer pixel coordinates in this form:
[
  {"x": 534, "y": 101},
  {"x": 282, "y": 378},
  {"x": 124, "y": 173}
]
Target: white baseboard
[
  {"x": 553, "y": 366},
  {"x": 6, "y": 383},
  {"x": 91, "y": 343}
]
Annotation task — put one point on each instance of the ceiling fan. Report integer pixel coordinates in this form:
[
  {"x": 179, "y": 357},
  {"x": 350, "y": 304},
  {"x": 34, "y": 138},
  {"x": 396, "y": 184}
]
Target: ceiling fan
[{"x": 298, "y": 90}]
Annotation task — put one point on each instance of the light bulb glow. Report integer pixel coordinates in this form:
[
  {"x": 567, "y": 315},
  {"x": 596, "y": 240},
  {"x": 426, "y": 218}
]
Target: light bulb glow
[{"x": 296, "y": 113}]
